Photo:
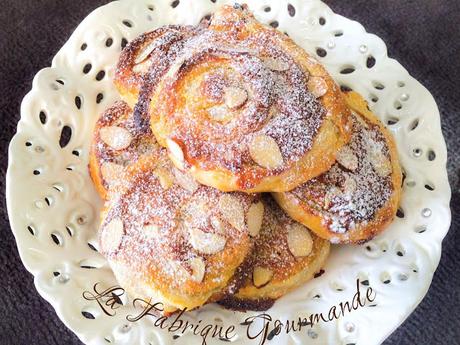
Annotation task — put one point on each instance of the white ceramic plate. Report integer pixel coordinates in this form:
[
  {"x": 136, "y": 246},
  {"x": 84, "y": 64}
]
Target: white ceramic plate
[{"x": 53, "y": 207}]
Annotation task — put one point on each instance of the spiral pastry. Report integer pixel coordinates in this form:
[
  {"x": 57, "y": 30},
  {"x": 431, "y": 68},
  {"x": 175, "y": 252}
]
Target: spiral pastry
[
  {"x": 286, "y": 254},
  {"x": 243, "y": 108},
  {"x": 118, "y": 143},
  {"x": 359, "y": 196},
  {"x": 170, "y": 239}
]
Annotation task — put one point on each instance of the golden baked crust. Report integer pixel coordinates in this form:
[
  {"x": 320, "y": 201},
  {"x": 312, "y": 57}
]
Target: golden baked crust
[
  {"x": 170, "y": 239},
  {"x": 359, "y": 196},
  {"x": 286, "y": 252},
  {"x": 118, "y": 143},
  {"x": 243, "y": 108}
]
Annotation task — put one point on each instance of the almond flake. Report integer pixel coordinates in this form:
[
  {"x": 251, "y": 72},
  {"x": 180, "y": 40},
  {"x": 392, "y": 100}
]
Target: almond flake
[
  {"x": 261, "y": 276},
  {"x": 111, "y": 172},
  {"x": 117, "y": 138},
  {"x": 143, "y": 67},
  {"x": 220, "y": 113},
  {"x": 232, "y": 211},
  {"x": 177, "y": 156},
  {"x": 255, "y": 217},
  {"x": 317, "y": 86},
  {"x": 347, "y": 158},
  {"x": 380, "y": 163},
  {"x": 198, "y": 268},
  {"x": 165, "y": 178},
  {"x": 206, "y": 242},
  {"x": 185, "y": 181},
  {"x": 350, "y": 185},
  {"x": 276, "y": 64},
  {"x": 265, "y": 152},
  {"x": 299, "y": 240},
  {"x": 235, "y": 97},
  {"x": 112, "y": 234},
  {"x": 145, "y": 51}
]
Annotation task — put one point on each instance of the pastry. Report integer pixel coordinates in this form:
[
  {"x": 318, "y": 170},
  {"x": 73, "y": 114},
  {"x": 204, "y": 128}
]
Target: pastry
[
  {"x": 243, "y": 108},
  {"x": 118, "y": 143},
  {"x": 170, "y": 239},
  {"x": 286, "y": 254},
  {"x": 359, "y": 196}
]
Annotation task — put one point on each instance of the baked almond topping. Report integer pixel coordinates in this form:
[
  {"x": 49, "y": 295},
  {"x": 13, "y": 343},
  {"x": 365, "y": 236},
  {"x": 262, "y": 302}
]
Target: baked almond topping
[
  {"x": 176, "y": 153},
  {"x": 276, "y": 64},
  {"x": 265, "y": 152},
  {"x": 299, "y": 240},
  {"x": 350, "y": 185},
  {"x": 143, "y": 67},
  {"x": 261, "y": 276},
  {"x": 112, "y": 235},
  {"x": 220, "y": 113},
  {"x": 111, "y": 171},
  {"x": 206, "y": 242},
  {"x": 117, "y": 138},
  {"x": 185, "y": 181},
  {"x": 145, "y": 51},
  {"x": 331, "y": 193},
  {"x": 235, "y": 97},
  {"x": 380, "y": 163},
  {"x": 217, "y": 225},
  {"x": 255, "y": 217},
  {"x": 346, "y": 158},
  {"x": 198, "y": 268},
  {"x": 317, "y": 86},
  {"x": 232, "y": 211},
  {"x": 165, "y": 178}
]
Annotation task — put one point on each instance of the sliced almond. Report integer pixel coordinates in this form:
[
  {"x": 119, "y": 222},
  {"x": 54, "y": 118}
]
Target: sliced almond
[
  {"x": 299, "y": 240},
  {"x": 350, "y": 185},
  {"x": 143, "y": 67},
  {"x": 276, "y": 64},
  {"x": 232, "y": 211},
  {"x": 380, "y": 163},
  {"x": 145, "y": 51},
  {"x": 220, "y": 113},
  {"x": 198, "y": 268},
  {"x": 164, "y": 176},
  {"x": 347, "y": 158},
  {"x": 217, "y": 225},
  {"x": 265, "y": 152},
  {"x": 112, "y": 234},
  {"x": 255, "y": 217},
  {"x": 111, "y": 172},
  {"x": 331, "y": 193},
  {"x": 177, "y": 156},
  {"x": 261, "y": 276},
  {"x": 317, "y": 86},
  {"x": 117, "y": 138},
  {"x": 206, "y": 242},
  {"x": 235, "y": 97},
  {"x": 150, "y": 230},
  {"x": 185, "y": 181}
]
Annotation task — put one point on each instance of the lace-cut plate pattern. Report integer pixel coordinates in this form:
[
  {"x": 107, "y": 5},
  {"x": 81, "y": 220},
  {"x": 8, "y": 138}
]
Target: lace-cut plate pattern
[{"x": 54, "y": 208}]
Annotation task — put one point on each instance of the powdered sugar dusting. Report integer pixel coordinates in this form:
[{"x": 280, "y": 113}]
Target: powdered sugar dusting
[
  {"x": 344, "y": 197},
  {"x": 279, "y": 103}
]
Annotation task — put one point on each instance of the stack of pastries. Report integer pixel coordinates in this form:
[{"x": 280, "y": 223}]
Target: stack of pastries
[{"x": 232, "y": 163}]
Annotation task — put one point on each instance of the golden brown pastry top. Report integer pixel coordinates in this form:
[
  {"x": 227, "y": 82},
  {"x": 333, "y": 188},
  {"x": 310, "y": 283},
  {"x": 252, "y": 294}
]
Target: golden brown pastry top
[
  {"x": 238, "y": 89},
  {"x": 359, "y": 195},
  {"x": 181, "y": 239}
]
